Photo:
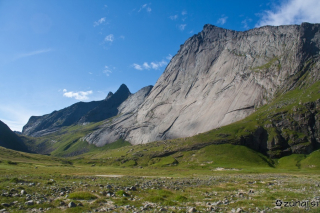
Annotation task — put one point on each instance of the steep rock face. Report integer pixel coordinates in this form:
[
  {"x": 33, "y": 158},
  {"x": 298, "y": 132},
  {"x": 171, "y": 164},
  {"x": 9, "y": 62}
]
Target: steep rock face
[
  {"x": 218, "y": 77},
  {"x": 134, "y": 100},
  {"x": 80, "y": 112},
  {"x": 110, "y": 132},
  {"x": 10, "y": 140}
]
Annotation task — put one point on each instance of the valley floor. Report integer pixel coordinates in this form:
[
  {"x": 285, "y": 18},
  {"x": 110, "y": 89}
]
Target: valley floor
[{"x": 37, "y": 185}]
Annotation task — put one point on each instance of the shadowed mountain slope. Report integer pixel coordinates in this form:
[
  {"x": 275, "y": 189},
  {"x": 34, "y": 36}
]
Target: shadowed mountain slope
[
  {"x": 10, "y": 140},
  {"x": 80, "y": 112}
]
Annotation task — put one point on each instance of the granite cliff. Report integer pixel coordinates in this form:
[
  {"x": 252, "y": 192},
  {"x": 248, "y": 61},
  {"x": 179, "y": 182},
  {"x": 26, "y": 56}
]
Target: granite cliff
[{"x": 219, "y": 76}]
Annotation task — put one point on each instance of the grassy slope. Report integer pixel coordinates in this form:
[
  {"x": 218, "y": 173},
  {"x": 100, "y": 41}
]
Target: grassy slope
[
  {"x": 68, "y": 141},
  {"x": 193, "y": 152}
]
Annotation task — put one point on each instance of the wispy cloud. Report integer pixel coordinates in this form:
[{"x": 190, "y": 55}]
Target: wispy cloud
[
  {"x": 146, "y": 65},
  {"x": 292, "y": 12},
  {"x": 81, "y": 95},
  {"x": 222, "y": 20},
  {"x": 28, "y": 54},
  {"x": 182, "y": 26},
  {"x": 100, "y": 21},
  {"x": 184, "y": 12},
  {"x": 246, "y": 22},
  {"x": 155, "y": 65},
  {"x": 173, "y": 17},
  {"x": 151, "y": 65},
  {"x": 107, "y": 71},
  {"x": 145, "y": 7},
  {"x": 137, "y": 66},
  {"x": 109, "y": 38}
]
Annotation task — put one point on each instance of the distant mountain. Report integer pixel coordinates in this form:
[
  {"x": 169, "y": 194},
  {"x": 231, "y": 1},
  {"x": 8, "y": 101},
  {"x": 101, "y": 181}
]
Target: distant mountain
[
  {"x": 10, "y": 140},
  {"x": 107, "y": 108},
  {"x": 80, "y": 112}
]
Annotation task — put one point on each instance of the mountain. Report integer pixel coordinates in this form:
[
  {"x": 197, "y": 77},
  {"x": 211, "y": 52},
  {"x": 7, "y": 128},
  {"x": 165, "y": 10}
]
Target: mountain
[
  {"x": 80, "y": 112},
  {"x": 258, "y": 88},
  {"x": 69, "y": 140},
  {"x": 107, "y": 108},
  {"x": 221, "y": 76},
  {"x": 10, "y": 140}
]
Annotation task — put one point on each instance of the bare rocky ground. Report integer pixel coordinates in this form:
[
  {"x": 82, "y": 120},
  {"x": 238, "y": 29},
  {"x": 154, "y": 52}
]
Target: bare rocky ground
[{"x": 218, "y": 193}]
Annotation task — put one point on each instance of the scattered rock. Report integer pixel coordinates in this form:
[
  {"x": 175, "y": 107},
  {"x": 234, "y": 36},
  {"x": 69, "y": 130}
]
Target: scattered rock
[
  {"x": 192, "y": 209},
  {"x": 71, "y": 204},
  {"x": 29, "y": 202}
]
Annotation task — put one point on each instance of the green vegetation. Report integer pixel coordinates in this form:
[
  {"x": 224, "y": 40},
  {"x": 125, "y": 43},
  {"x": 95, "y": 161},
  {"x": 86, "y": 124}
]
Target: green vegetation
[
  {"x": 208, "y": 167},
  {"x": 268, "y": 64},
  {"x": 82, "y": 196}
]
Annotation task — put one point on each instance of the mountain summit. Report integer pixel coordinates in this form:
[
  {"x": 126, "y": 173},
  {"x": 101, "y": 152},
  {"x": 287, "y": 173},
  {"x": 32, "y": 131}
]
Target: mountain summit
[{"x": 80, "y": 112}]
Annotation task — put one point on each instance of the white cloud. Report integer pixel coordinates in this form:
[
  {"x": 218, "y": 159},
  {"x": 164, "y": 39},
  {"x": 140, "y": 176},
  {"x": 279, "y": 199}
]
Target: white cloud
[
  {"x": 246, "y": 22},
  {"x": 184, "y": 12},
  {"x": 222, "y": 20},
  {"x": 292, "y": 12},
  {"x": 173, "y": 17},
  {"x": 146, "y": 7},
  {"x": 151, "y": 65},
  {"x": 109, "y": 38},
  {"x": 81, "y": 95},
  {"x": 182, "y": 26},
  {"x": 100, "y": 21},
  {"x": 122, "y": 37},
  {"x": 146, "y": 65},
  {"x": 137, "y": 67},
  {"x": 37, "y": 52},
  {"x": 107, "y": 71}
]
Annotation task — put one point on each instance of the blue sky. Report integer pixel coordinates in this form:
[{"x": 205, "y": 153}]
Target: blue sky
[{"x": 54, "y": 53}]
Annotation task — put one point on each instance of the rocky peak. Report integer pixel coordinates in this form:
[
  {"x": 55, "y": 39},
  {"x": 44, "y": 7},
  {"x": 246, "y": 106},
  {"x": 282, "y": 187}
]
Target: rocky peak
[
  {"x": 122, "y": 91},
  {"x": 80, "y": 112},
  {"x": 109, "y": 96},
  {"x": 109, "y": 107}
]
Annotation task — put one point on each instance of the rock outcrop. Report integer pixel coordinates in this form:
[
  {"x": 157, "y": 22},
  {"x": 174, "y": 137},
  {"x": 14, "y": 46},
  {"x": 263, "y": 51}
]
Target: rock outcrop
[
  {"x": 218, "y": 77},
  {"x": 10, "y": 140},
  {"x": 80, "y": 112},
  {"x": 125, "y": 120}
]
